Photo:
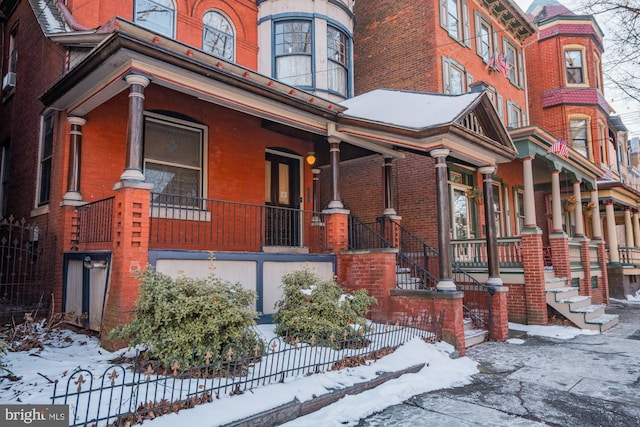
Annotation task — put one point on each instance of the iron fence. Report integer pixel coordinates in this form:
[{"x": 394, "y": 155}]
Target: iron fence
[
  {"x": 365, "y": 236},
  {"x": 127, "y": 394},
  {"x": 95, "y": 221},
  {"x": 183, "y": 222}
]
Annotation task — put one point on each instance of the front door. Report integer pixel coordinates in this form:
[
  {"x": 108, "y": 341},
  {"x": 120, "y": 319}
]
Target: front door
[{"x": 282, "y": 197}]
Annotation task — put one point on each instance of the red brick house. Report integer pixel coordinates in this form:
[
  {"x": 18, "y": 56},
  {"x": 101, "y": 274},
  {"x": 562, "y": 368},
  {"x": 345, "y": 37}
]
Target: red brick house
[{"x": 151, "y": 140}]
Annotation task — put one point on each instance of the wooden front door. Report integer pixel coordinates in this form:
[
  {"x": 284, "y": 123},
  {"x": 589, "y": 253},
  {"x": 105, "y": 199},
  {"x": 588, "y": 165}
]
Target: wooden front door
[{"x": 282, "y": 197}]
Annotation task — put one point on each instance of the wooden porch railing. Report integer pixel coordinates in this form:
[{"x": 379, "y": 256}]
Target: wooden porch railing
[
  {"x": 472, "y": 253},
  {"x": 629, "y": 255},
  {"x": 179, "y": 222}
]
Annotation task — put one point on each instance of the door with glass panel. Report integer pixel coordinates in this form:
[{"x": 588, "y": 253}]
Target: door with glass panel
[{"x": 282, "y": 200}]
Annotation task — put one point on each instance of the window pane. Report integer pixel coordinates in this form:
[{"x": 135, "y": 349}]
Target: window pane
[
  {"x": 173, "y": 180},
  {"x": 579, "y": 135},
  {"x": 336, "y": 45},
  {"x": 513, "y": 65},
  {"x": 573, "y": 64},
  {"x": 218, "y": 35},
  {"x": 46, "y": 151},
  {"x": 337, "y": 76},
  {"x": 453, "y": 18},
  {"x": 456, "y": 77},
  {"x": 156, "y": 15},
  {"x": 293, "y": 37},
  {"x": 172, "y": 144},
  {"x": 485, "y": 42},
  {"x": 460, "y": 214},
  {"x": 294, "y": 70}
]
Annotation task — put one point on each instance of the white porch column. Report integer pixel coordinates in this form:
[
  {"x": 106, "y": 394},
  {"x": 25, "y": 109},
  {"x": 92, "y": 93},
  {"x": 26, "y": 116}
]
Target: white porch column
[
  {"x": 556, "y": 203},
  {"x": 596, "y": 223},
  {"x": 612, "y": 238},
  {"x": 628, "y": 228},
  {"x": 636, "y": 227},
  {"x": 577, "y": 213},
  {"x": 529, "y": 194}
]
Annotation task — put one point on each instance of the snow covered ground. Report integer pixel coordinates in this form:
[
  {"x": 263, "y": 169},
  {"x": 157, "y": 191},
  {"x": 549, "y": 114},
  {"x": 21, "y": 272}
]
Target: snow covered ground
[{"x": 65, "y": 351}]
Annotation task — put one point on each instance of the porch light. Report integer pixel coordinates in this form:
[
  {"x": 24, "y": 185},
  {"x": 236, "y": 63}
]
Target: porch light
[{"x": 311, "y": 158}]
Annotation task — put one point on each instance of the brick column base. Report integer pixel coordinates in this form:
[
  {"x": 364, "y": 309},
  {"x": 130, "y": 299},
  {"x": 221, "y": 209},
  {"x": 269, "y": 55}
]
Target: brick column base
[
  {"x": 560, "y": 255},
  {"x": 130, "y": 254},
  {"x": 499, "y": 314},
  {"x": 337, "y": 223},
  {"x": 603, "y": 283},
  {"x": 585, "y": 257},
  {"x": 534, "y": 287}
]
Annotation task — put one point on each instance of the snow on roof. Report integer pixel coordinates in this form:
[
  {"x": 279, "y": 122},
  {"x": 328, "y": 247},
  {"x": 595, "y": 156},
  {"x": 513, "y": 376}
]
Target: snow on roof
[
  {"x": 413, "y": 110},
  {"x": 48, "y": 16}
]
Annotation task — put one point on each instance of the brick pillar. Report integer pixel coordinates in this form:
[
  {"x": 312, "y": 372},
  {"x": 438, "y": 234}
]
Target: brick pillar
[
  {"x": 453, "y": 325},
  {"x": 392, "y": 229},
  {"x": 603, "y": 284},
  {"x": 337, "y": 223},
  {"x": 560, "y": 255},
  {"x": 534, "y": 288},
  {"x": 499, "y": 314},
  {"x": 130, "y": 254},
  {"x": 585, "y": 283}
]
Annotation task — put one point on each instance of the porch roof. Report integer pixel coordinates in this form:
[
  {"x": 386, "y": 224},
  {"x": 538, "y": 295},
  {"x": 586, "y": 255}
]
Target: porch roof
[{"x": 467, "y": 124}]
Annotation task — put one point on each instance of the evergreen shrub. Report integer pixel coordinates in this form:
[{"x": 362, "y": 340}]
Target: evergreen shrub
[{"x": 190, "y": 318}]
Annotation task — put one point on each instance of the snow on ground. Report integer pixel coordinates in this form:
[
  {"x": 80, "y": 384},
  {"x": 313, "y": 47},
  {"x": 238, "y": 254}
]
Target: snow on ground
[
  {"x": 630, "y": 299},
  {"x": 552, "y": 331},
  {"x": 66, "y": 351}
]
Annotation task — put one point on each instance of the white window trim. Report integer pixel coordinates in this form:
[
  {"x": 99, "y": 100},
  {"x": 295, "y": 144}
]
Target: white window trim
[
  {"x": 585, "y": 74},
  {"x": 589, "y": 141}
]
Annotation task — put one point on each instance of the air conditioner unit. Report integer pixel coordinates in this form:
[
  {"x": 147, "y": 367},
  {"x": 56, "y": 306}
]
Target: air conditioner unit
[{"x": 9, "y": 81}]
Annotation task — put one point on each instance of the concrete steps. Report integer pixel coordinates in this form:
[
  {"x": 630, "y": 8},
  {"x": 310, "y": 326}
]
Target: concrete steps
[
  {"x": 473, "y": 336},
  {"x": 404, "y": 279},
  {"x": 577, "y": 308}
]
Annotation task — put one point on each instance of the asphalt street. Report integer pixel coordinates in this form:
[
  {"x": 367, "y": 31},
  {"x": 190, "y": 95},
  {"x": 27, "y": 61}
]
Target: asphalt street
[{"x": 590, "y": 380}]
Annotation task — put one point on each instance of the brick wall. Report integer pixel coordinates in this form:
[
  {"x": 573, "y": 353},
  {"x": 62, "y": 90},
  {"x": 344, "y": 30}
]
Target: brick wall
[
  {"x": 243, "y": 15},
  {"x": 517, "y": 302},
  {"x": 535, "y": 286}
]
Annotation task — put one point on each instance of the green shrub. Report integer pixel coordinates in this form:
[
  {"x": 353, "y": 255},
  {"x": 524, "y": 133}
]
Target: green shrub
[
  {"x": 311, "y": 306},
  {"x": 189, "y": 317}
]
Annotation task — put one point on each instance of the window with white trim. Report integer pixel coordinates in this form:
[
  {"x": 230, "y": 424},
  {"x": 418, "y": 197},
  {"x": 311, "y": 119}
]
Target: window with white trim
[
  {"x": 498, "y": 208},
  {"x": 578, "y": 128},
  {"x": 156, "y": 15},
  {"x": 573, "y": 62},
  {"x": 338, "y": 61},
  {"x": 519, "y": 200},
  {"x": 293, "y": 52},
  {"x": 46, "y": 158},
  {"x": 218, "y": 35},
  {"x": 514, "y": 118},
  {"x": 485, "y": 46},
  {"x": 454, "y": 77},
  {"x": 454, "y": 18},
  {"x": 513, "y": 55},
  {"x": 173, "y": 159}
]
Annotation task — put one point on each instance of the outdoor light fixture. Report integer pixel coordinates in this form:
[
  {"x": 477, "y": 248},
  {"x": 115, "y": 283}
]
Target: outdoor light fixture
[
  {"x": 311, "y": 158},
  {"x": 93, "y": 263}
]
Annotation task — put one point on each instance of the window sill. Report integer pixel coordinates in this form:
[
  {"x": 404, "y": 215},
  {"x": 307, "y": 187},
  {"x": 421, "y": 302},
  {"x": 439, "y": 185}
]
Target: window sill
[
  {"x": 182, "y": 214},
  {"x": 41, "y": 210}
]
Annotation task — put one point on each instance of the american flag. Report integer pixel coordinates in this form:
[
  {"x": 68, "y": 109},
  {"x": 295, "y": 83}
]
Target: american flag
[{"x": 560, "y": 148}]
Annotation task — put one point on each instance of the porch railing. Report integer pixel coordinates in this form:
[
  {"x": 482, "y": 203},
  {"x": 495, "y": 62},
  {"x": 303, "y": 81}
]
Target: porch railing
[
  {"x": 629, "y": 255},
  {"x": 472, "y": 253},
  {"x": 196, "y": 223},
  {"x": 95, "y": 221},
  {"x": 593, "y": 257},
  {"x": 366, "y": 236}
]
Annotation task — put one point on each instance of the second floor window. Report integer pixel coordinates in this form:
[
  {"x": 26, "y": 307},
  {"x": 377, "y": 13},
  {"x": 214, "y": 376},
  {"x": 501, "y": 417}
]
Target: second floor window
[
  {"x": 293, "y": 53},
  {"x": 578, "y": 130},
  {"x": 218, "y": 35},
  {"x": 573, "y": 65},
  {"x": 453, "y": 77},
  {"x": 156, "y": 15},
  {"x": 338, "y": 64},
  {"x": 484, "y": 39},
  {"x": 514, "y": 120},
  {"x": 513, "y": 56}
]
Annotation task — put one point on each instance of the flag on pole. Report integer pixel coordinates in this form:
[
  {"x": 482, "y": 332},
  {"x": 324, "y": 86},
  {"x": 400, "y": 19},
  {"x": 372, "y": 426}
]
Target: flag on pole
[
  {"x": 491, "y": 63},
  {"x": 559, "y": 148}
]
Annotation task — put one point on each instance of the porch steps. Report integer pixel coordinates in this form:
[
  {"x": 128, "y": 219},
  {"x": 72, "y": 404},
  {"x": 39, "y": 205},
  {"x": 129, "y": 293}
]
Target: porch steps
[
  {"x": 578, "y": 308},
  {"x": 404, "y": 279},
  {"x": 473, "y": 336}
]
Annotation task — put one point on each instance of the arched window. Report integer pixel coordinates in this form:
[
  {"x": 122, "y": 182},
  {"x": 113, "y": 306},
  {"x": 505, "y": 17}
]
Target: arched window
[
  {"x": 218, "y": 37},
  {"x": 156, "y": 15}
]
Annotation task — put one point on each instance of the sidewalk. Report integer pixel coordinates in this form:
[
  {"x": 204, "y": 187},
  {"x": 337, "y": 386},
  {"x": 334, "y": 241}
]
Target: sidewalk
[{"x": 590, "y": 380}]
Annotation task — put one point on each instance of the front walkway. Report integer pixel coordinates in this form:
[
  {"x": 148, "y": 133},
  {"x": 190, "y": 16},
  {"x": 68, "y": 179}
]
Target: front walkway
[{"x": 590, "y": 380}]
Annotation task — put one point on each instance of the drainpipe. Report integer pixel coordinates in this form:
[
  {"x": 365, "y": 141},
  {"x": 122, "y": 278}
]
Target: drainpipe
[{"x": 66, "y": 13}]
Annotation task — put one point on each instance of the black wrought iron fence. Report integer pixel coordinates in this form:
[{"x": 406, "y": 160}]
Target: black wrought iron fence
[
  {"x": 27, "y": 260},
  {"x": 132, "y": 392},
  {"x": 95, "y": 221},
  {"x": 198, "y": 223},
  {"x": 365, "y": 236}
]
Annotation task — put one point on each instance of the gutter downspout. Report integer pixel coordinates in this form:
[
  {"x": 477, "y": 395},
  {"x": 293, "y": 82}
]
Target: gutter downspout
[{"x": 68, "y": 16}]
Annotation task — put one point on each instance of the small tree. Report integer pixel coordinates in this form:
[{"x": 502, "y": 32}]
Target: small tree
[
  {"x": 189, "y": 317},
  {"x": 311, "y": 306}
]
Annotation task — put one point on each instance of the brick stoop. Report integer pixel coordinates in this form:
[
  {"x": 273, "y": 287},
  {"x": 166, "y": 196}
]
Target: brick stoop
[{"x": 577, "y": 308}]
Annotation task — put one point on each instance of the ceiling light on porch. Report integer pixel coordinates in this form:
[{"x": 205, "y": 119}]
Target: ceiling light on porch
[{"x": 311, "y": 158}]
